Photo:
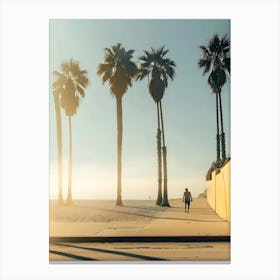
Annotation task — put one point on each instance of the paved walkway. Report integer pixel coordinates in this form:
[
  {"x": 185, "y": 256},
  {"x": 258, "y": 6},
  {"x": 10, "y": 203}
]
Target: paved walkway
[{"x": 202, "y": 221}]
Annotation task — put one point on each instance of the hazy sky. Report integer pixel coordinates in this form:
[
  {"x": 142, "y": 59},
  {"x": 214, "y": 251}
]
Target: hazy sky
[{"x": 188, "y": 107}]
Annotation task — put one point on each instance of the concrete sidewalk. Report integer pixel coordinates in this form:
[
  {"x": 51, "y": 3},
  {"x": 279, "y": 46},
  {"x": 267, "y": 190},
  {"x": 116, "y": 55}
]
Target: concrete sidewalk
[{"x": 173, "y": 222}]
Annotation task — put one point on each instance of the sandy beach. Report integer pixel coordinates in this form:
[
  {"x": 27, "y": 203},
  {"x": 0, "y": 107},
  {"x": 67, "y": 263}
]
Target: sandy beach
[
  {"x": 135, "y": 218},
  {"x": 105, "y": 211},
  {"x": 104, "y": 221}
]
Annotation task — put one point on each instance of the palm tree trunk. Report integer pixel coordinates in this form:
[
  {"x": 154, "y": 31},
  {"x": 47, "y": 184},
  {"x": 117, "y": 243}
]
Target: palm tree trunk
[
  {"x": 120, "y": 130},
  {"x": 159, "y": 197},
  {"x": 165, "y": 196},
  {"x": 223, "y": 143},
  {"x": 59, "y": 147},
  {"x": 69, "y": 197},
  {"x": 218, "y": 129}
]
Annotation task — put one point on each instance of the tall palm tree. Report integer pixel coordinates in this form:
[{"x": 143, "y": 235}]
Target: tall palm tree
[
  {"x": 118, "y": 69},
  {"x": 216, "y": 60},
  {"x": 158, "y": 69},
  {"x": 73, "y": 84},
  {"x": 56, "y": 94}
]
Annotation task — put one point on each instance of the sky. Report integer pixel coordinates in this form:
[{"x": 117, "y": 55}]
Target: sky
[{"x": 188, "y": 108}]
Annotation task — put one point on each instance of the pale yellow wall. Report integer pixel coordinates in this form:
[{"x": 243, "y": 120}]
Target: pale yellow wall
[
  {"x": 211, "y": 192},
  {"x": 218, "y": 191}
]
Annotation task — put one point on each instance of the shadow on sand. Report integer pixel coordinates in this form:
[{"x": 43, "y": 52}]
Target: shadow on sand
[
  {"x": 162, "y": 218},
  {"x": 142, "y": 257},
  {"x": 77, "y": 257}
]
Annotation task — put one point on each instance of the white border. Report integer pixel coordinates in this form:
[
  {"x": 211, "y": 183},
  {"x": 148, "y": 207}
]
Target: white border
[{"x": 254, "y": 130}]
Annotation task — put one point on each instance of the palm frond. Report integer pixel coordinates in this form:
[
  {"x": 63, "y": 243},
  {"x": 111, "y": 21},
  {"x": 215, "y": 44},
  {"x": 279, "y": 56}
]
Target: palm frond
[
  {"x": 206, "y": 63},
  {"x": 227, "y": 63},
  {"x": 118, "y": 69},
  {"x": 129, "y": 53},
  {"x": 65, "y": 67},
  {"x": 169, "y": 62},
  {"x": 116, "y": 49},
  {"x": 81, "y": 91},
  {"x": 70, "y": 84},
  {"x": 141, "y": 74},
  {"x": 147, "y": 53},
  {"x": 143, "y": 58},
  {"x": 203, "y": 48},
  {"x": 58, "y": 74},
  {"x": 145, "y": 65},
  {"x": 160, "y": 68},
  {"x": 165, "y": 52},
  {"x": 109, "y": 52},
  {"x": 216, "y": 60},
  {"x": 170, "y": 71},
  {"x": 214, "y": 43}
]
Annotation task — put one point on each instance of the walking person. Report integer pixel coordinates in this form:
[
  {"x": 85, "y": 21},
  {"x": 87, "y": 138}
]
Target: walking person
[{"x": 187, "y": 198}]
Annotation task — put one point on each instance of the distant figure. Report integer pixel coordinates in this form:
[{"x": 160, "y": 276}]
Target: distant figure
[{"x": 187, "y": 198}]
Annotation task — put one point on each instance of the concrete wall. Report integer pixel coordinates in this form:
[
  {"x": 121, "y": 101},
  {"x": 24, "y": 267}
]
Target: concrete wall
[{"x": 218, "y": 191}]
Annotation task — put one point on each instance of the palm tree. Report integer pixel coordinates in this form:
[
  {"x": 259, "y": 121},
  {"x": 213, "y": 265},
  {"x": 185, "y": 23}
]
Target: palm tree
[
  {"x": 56, "y": 94},
  {"x": 73, "y": 84},
  {"x": 118, "y": 70},
  {"x": 216, "y": 60},
  {"x": 158, "y": 69}
]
